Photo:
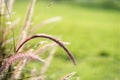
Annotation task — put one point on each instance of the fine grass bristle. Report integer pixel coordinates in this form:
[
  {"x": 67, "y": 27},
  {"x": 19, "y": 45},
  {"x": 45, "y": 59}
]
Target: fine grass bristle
[{"x": 19, "y": 56}]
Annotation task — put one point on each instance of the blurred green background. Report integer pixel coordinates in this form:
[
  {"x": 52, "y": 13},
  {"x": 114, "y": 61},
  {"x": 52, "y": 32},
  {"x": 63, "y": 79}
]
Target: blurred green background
[{"x": 93, "y": 29}]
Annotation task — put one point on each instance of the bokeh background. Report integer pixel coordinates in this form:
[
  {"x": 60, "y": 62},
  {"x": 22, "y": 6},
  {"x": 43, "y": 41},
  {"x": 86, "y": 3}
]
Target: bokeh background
[{"x": 93, "y": 29}]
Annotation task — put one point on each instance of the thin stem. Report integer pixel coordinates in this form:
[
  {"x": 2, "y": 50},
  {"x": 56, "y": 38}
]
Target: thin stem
[{"x": 51, "y": 38}]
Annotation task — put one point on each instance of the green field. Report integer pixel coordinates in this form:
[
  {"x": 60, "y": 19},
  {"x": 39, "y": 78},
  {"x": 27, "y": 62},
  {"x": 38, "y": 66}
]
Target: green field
[{"x": 94, "y": 36}]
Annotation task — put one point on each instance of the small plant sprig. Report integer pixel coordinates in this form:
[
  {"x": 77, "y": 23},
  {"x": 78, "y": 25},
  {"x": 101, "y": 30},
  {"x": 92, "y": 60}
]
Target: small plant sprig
[
  {"x": 19, "y": 56},
  {"x": 51, "y": 38},
  {"x": 68, "y": 76}
]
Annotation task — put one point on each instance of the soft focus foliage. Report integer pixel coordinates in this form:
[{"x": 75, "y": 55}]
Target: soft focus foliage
[{"x": 93, "y": 29}]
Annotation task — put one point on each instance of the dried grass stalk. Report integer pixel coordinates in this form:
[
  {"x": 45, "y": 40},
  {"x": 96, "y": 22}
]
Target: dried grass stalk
[
  {"x": 44, "y": 68},
  {"x": 43, "y": 49},
  {"x": 17, "y": 73},
  {"x": 51, "y": 20},
  {"x": 68, "y": 76},
  {"x": 47, "y": 63},
  {"x": 16, "y": 57},
  {"x": 51, "y": 38},
  {"x": 10, "y": 5},
  {"x": 27, "y": 21},
  {"x": 2, "y": 7}
]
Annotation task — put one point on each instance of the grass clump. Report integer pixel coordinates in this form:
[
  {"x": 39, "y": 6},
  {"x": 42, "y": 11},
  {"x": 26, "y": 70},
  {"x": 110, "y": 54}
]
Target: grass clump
[{"x": 12, "y": 64}]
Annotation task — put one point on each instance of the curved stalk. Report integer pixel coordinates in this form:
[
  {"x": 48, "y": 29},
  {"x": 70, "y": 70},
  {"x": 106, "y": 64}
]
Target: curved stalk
[{"x": 51, "y": 38}]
